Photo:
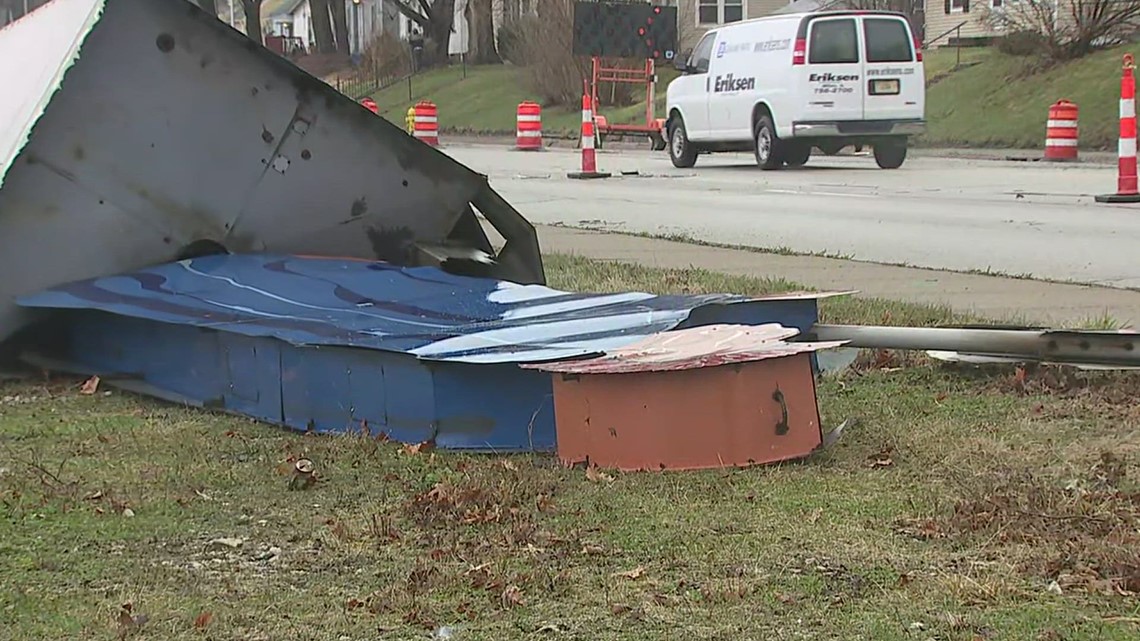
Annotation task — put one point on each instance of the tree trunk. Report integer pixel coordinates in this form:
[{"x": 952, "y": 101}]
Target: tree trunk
[
  {"x": 322, "y": 27},
  {"x": 209, "y": 6},
  {"x": 340, "y": 25},
  {"x": 481, "y": 30},
  {"x": 438, "y": 29},
  {"x": 252, "y": 20}
]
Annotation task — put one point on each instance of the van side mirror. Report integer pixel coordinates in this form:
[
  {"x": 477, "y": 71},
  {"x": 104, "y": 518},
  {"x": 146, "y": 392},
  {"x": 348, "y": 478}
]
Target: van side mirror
[{"x": 681, "y": 62}]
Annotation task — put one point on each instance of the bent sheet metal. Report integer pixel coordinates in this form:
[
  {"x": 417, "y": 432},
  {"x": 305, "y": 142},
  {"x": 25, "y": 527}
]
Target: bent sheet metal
[
  {"x": 137, "y": 132},
  {"x": 329, "y": 345},
  {"x": 703, "y": 397}
]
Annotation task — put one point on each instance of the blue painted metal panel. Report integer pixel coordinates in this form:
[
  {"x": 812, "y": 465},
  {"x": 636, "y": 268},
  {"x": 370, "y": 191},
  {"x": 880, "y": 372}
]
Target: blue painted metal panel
[
  {"x": 423, "y": 311},
  {"x": 331, "y": 345}
]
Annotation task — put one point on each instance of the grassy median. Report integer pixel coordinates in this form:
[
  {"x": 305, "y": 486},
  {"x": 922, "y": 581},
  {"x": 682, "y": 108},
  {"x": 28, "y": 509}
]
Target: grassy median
[{"x": 964, "y": 504}]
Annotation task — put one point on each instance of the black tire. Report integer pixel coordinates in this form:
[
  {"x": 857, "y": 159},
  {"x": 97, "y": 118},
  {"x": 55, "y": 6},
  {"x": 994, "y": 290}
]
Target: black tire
[
  {"x": 766, "y": 145},
  {"x": 796, "y": 154},
  {"x": 890, "y": 154},
  {"x": 831, "y": 148},
  {"x": 681, "y": 151}
]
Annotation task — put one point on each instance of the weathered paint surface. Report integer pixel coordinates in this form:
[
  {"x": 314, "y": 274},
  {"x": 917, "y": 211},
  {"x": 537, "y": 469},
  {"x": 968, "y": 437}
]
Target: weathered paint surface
[
  {"x": 336, "y": 345},
  {"x": 171, "y": 129},
  {"x": 693, "y": 348}
]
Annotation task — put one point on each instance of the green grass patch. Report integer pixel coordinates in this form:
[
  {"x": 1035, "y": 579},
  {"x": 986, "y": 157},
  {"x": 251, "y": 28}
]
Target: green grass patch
[
  {"x": 947, "y": 512},
  {"x": 485, "y": 101},
  {"x": 1003, "y": 102}
]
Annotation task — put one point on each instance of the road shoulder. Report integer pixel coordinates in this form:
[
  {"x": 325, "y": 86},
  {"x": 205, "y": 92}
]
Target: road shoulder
[{"x": 1002, "y": 298}]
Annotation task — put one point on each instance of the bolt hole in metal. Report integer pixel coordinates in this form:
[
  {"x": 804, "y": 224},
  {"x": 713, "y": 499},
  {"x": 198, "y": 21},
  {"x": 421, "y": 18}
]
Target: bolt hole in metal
[{"x": 164, "y": 42}]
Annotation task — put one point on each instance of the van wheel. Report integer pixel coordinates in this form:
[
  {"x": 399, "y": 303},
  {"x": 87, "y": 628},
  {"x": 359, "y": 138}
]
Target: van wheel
[
  {"x": 890, "y": 153},
  {"x": 797, "y": 155},
  {"x": 681, "y": 151},
  {"x": 769, "y": 151}
]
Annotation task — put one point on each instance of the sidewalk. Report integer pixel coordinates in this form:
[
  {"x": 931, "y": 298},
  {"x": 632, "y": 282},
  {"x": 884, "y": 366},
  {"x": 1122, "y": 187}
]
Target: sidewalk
[{"x": 990, "y": 296}]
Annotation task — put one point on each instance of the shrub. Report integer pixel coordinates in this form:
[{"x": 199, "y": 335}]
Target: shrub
[{"x": 1025, "y": 42}]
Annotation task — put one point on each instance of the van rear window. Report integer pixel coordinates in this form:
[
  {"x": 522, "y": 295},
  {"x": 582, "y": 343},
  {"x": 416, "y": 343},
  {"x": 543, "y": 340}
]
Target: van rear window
[
  {"x": 887, "y": 40},
  {"x": 833, "y": 42}
]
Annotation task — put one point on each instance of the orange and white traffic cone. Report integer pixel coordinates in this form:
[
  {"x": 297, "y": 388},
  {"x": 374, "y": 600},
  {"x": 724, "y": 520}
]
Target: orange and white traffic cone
[
  {"x": 1126, "y": 187},
  {"x": 589, "y": 160}
]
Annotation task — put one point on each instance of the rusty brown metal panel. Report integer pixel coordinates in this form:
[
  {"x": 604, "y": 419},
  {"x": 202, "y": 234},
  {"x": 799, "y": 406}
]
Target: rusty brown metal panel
[{"x": 728, "y": 415}]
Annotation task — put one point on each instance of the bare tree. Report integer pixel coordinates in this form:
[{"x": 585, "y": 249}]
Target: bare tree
[
  {"x": 322, "y": 27},
  {"x": 1068, "y": 28},
  {"x": 480, "y": 22},
  {"x": 252, "y": 10},
  {"x": 436, "y": 18},
  {"x": 340, "y": 26}
]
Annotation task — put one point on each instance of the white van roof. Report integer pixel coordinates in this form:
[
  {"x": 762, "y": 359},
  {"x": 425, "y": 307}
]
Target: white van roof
[{"x": 804, "y": 14}]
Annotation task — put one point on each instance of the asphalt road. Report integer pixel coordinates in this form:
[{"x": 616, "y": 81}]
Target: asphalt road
[{"x": 1031, "y": 219}]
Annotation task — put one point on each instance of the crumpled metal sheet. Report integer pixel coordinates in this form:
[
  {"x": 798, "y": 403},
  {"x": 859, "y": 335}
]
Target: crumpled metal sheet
[
  {"x": 173, "y": 134},
  {"x": 35, "y": 53},
  {"x": 693, "y": 348},
  {"x": 421, "y": 311}
]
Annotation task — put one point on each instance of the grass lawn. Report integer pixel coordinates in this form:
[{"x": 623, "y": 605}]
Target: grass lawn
[
  {"x": 999, "y": 103},
  {"x": 485, "y": 102},
  {"x": 996, "y": 103},
  {"x": 946, "y": 513}
]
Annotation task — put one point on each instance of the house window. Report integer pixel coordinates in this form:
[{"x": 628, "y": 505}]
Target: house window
[
  {"x": 959, "y": 6},
  {"x": 719, "y": 11}
]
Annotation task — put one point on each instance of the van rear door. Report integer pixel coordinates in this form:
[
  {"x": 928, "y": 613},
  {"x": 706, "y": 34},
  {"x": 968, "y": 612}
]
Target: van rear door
[
  {"x": 832, "y": 77},
  {"x": 895, "y": 87}
]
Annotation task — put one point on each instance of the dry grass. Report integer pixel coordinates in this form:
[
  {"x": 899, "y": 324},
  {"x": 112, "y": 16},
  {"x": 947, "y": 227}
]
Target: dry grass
[{"x": 948, "y": 512}]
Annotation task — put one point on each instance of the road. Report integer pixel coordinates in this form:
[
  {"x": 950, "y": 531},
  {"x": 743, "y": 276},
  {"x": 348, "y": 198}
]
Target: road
[{"x": 1015, "y": 218}]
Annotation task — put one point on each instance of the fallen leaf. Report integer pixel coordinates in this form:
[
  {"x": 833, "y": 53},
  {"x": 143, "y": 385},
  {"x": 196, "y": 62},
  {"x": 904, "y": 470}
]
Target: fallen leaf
[
  {"x": 128, "y": 512},
  {"x": 512, "y": 597},
  {"x": 203, "y": 620},
  {"x": 129, "y": 622},
  {"x": 882, "y": 459},
  {"x": 94, "y": 496},
  {"x": 590, "y": 549},
  {"x": 634, "y": 574},
  {"x": 419, "y": 447},
  {"x": 90, "y": 386},
  {"x": 785, "y": 599},
  {"x": 353, "y": 604},
  {"x": 596, "y": 475}
]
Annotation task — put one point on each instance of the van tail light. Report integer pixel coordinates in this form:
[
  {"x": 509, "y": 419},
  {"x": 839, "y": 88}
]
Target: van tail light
[
  {"x": 799, "y": 54},
  {"x": 917, "y": 49}
]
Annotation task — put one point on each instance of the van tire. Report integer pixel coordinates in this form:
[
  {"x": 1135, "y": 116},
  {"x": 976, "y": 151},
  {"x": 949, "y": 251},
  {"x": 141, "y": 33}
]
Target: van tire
[
  {"x": 890, "y": 153},
  {"x": 681, "y": 150},
  {"x": 796, "y": 154},
  {"x": 766, "y": 145}
]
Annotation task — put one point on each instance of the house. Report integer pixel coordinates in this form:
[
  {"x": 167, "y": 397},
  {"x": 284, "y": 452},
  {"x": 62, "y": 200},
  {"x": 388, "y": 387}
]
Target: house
[
  {"x": 948, "y": 21},
  {"x": 293, "y": 20}
]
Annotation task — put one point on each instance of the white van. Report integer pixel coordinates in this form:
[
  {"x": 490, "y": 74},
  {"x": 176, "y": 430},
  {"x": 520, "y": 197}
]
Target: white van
[{"x": 783, "y": 84}]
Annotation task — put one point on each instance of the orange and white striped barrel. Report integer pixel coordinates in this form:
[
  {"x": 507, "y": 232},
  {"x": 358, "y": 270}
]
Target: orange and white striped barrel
[
  {"x": 1127, "y": 183},
  {"x": 1061, "y": 131},
  {"x": 528, "y": 126},
  {"x": 425, "y": 125}
]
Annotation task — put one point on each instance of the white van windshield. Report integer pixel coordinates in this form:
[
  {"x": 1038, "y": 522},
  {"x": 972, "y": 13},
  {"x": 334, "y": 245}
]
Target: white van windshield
[{"x": 887, "y": 40}]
